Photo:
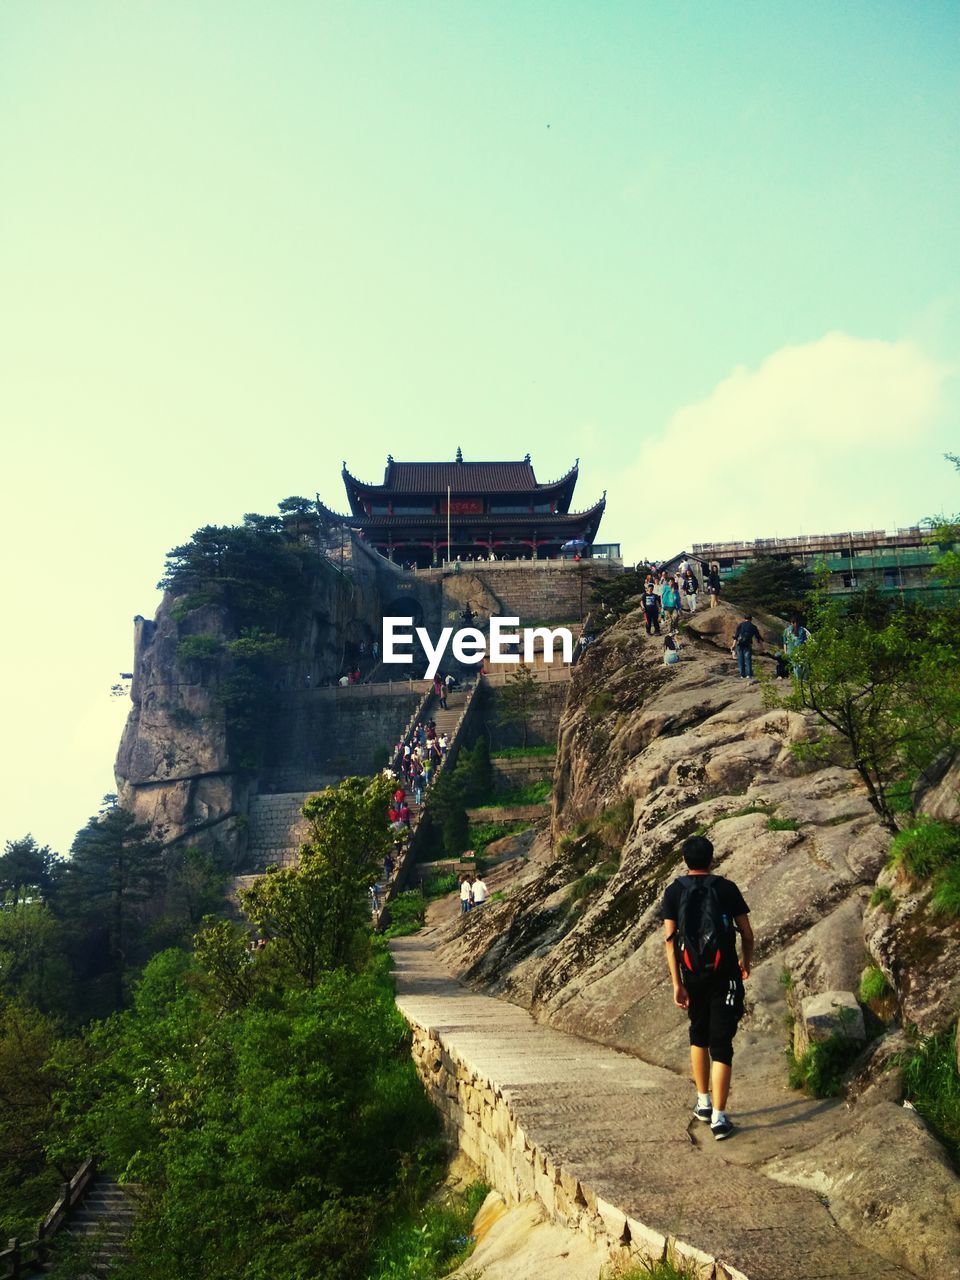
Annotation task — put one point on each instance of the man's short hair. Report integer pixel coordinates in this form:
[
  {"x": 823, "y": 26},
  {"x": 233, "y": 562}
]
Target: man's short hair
[{"x": 697, "y": 852}]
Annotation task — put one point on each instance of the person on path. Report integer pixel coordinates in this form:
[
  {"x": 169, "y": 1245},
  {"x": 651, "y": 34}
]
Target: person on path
[
  {"x": 701, "y": 914},
  {"x": 743, "y": 639},
  {"x": 479, "y": 892},
  {"x": 466, "y": 895},
  {"x": 651, "y": 609}
]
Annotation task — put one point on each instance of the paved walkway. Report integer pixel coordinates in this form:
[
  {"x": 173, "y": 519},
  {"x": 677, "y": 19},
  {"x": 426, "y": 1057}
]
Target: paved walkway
[{"x": 624, "y": 1129}]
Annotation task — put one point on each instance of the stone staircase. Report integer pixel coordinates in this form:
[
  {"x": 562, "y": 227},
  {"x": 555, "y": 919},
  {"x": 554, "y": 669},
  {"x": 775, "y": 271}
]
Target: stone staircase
[{"x": 103, "y": 1219}]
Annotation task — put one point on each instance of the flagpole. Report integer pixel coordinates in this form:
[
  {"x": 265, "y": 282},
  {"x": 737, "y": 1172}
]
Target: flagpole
[{"x": 448, "y": 524}]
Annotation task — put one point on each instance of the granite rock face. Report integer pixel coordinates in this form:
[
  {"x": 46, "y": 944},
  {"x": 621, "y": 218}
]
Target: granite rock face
[{"x": 648, "y": 755}]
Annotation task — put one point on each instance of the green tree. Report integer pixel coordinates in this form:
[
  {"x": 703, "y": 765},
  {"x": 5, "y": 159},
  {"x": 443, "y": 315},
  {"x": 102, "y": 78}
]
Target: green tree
[
  {"x": 317, "y": 913},
  {"x": 944, "y": 533},
  {"x": 27, "y": 1086},
  {"x": 33, "y": 962},
  {"x": 520, "y": 696},
  {"x": 114, "y": 878},
  {"x": 771, "y": 585},
  {"x": 28, "y": 870},
  {"x": 889, "y": 695}
]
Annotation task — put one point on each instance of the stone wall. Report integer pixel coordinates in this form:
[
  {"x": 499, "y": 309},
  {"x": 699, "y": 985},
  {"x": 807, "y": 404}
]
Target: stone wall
[
  {"x": 540, "y": 591},
  {"x": 521, "y": 771},
  {"x": 543, "y": 724},
  {"x": 479, "y": 1117},
  {"x": 319, "y": 733},
  {"x": 276, "y": 829}
]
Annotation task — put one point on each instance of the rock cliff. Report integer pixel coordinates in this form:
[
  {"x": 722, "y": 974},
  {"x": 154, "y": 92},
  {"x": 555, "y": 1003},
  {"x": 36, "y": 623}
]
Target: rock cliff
[{"x": 648, "y": 755}]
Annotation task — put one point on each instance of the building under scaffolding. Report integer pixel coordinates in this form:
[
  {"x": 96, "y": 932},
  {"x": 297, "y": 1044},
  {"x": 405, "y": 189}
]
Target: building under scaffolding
[{"x": 902, "y": 561}]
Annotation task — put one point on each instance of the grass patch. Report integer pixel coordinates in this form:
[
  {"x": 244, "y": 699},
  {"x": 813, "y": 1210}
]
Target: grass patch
[
  {"x": 883, "y": 898},
  {"x": 522, "y": 753},
  {"x": 925, "y": 848},
  {"x": 438, "y": 886},
  {"x": 484, "y": 833},
  {"x": 782, "y": 824},
  {"x": 745, "y": 812},
  {"x": 873, "y": 985},
  {"x": 669, "y": 1268},
  {"x": 842, "y": 819},
  {"x": 820, "y": 1071},
  {"x": 786, "y": 979},
  {"x": 406, "y": 914},
  {"x": 932, "y": 1084},
  {"x": 532, "y": 793},
  {"x": 946, "y": 899},
  {"x": 429, "y": 1244}
]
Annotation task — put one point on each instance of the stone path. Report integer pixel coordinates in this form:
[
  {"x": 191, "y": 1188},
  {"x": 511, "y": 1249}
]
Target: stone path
[{"x": 609, "y": 1141}]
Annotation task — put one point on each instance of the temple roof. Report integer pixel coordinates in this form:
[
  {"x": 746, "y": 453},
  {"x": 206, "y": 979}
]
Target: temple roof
[{"x": 433, "y": 478}]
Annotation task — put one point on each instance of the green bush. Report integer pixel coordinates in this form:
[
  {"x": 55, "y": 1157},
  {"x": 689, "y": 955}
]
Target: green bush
[
  {"x": 199, "y": 648},
  {"x": 586, "y": 885},
  {"x": 925, "y": 848},
  {"x": 782, "y": 824},
  {"x": 439, "y": 885},
  {"x": 873, "y": 985},
  {"x": 522, "y": 753},
  {"x": 407, "y": 911},
  {"x": 932, "y": 1084},
  {"x": 669, "y": 1268}
]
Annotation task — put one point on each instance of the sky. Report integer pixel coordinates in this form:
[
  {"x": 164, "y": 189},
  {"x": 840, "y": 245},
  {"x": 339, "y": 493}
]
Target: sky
[{"x": 709, "y": 249}]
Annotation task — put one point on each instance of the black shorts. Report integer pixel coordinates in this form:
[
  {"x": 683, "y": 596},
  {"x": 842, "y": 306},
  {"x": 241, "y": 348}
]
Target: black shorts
[{"x": 715, "y": 1012}]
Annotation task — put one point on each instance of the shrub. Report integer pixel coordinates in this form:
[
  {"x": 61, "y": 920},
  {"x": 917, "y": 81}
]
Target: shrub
[
  {"x": 486, "y": 832},
  {"x": 532, "y": 793},
  {"x": 522, "y": 753},
  {"x": 932, "y": 1084},
  {"x": 406, "y": 914},
  {"x": 438, "y": 886},
  {"x": 925, "y": 848},
  {"x": 669, "y": 1268},
  {"x": 586, "y": 885},
  {"x": 199, "y": 648},
  {"x": 782, "y": 824}
]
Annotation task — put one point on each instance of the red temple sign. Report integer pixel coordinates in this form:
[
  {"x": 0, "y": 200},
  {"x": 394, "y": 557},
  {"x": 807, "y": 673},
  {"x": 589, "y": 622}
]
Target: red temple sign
[{"x": 462, "y": 506}]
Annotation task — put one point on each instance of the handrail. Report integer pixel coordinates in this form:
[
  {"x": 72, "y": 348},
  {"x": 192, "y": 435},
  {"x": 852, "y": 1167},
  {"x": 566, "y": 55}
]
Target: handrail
[{"x": 19, "y": 1252}]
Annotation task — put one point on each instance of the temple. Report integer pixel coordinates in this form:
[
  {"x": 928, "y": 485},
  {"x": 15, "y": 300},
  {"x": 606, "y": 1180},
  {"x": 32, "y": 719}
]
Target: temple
[{"x": 492, "y": 509}]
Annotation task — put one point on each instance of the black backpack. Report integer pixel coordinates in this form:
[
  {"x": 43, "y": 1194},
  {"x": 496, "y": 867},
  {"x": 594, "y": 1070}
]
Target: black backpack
[{"x": 705, "y": 938}]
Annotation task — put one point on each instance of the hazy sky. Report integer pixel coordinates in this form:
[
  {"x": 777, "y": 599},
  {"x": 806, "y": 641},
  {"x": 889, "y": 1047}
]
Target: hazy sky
[{"x": 710, "y": 248}]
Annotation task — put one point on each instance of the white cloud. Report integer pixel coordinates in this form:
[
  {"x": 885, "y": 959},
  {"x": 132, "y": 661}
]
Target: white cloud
[{"x": 823, "y": 436}]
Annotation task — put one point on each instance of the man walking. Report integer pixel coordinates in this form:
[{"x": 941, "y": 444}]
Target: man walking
[
  {"x": 701, "y": 914},
  {"x": 743, "y": 639},
  {"x": 651, "y": 609}
]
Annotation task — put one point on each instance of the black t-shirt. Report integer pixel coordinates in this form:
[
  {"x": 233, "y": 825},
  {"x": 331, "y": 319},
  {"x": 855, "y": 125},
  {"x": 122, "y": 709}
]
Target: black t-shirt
[
  {"x": 746, "y": 634},
  {"x": 731, "y": 899}
]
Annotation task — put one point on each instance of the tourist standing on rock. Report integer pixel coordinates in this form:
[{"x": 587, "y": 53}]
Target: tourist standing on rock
[
  {"x": 651, "y": 609},
  {"x": 743, "y": 639},
  {"x": 702, "y": 914},
  {"x": 671, "y": 603},
  {"x": 691, "y": 585},
  {"x": 794, "y": 638},
  {"x": 479, "y": 892},
  {"x": 713, "y": 584}
]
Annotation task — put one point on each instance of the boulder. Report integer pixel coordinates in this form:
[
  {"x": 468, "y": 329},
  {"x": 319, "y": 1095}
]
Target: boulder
[
  {"x": 827, "y": 1014},
  {"x": 937, "y": 793}
]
